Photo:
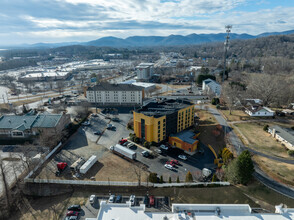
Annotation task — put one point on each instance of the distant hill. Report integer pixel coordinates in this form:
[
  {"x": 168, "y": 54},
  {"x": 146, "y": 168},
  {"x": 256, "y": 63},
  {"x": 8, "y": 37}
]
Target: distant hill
[{"x": 150, "y": 41}]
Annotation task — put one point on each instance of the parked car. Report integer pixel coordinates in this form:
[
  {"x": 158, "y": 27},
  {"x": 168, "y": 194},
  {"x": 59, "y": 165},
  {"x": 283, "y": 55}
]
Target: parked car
[
  {"x": 111, "y": 199},
  {"x": 182, "y": 157},
  {"x": 94, "y": 115},
  {"x": 163, "y": 147},
  {"x": 146, "y": 200},
  {"x": 116, "y": 119},
  {"x": 132, "y": 199},
  {"x": 168, "y": 166},
  {"x": 71, "y": 217},
  {"x": 130, "y": 145},
  {"x": 72, "y": 213},
  {"x": 151, "y": 200},
  {"x": 74, "y": 208},
  {"x": 158, "y": 151},
  {"x": 118, "y": 199},
  {"x": 145, "y": 153},
  {"x": 98, "y": 133},
  {"x": 176, "y": 162},
  {"x": 92, "y": 199},
  {"x": 86, "y": 123},
  {"x": 170, "y": 163},
  {"x": 122, "y": 141},
  {"x": 125, "y": 144}
]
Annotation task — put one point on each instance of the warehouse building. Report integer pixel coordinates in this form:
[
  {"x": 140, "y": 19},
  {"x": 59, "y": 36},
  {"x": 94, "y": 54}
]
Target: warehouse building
[
  {"x": 156, "y": 121},
  {"x": 105, "y": 94}
]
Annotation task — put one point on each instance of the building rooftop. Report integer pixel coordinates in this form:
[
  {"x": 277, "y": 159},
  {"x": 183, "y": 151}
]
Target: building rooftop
[
  {"x": 286, "y": 133},
  {"x": 23, "y": 122},
  {"x": 186, "y": 136},
  {"x": 159, "y": 109},
  {"x": 111, "y": 211},
  {"x": 114, "y": 87}
]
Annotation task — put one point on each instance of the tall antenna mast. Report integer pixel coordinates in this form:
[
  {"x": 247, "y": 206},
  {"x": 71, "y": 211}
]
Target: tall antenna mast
[{"x": 228, "y": 30}]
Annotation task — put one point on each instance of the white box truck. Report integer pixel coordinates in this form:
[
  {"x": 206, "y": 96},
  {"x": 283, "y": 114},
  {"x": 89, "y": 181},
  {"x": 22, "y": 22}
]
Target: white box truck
[
  {"x": 89, "y": 163},
  {"x": 123, "y": 151}
]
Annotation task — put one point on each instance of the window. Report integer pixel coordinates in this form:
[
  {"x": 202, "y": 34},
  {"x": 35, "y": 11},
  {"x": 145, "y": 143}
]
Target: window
[
  {"x": 158, "y": 135},
  {"x": 159, "y": 127},
  {"x": 159, "y": 123}
]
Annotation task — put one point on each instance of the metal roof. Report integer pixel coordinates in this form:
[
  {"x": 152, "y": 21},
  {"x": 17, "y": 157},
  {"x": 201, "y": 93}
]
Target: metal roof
[
  {"x": 286, "y": 133},
  {"x": 186, "y": 136},
  {"x": 23, "y": 122}
]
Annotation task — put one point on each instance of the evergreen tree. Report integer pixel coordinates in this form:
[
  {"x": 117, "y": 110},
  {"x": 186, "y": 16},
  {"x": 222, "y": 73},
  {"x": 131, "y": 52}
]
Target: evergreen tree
[
  {"x": 189, "y": 177},
  {"x": 245, "y": 167}
]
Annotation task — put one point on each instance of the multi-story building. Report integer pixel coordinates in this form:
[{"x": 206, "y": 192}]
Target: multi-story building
[
  {"x": 209, "y": 86},
  {"x": 156, "y": 121},
  {"x": 144, "y": 71},
  {"x": 115, "y": 94}
]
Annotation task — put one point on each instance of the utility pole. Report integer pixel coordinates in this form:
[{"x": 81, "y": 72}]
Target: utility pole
[{"x": 228, "y": 30}]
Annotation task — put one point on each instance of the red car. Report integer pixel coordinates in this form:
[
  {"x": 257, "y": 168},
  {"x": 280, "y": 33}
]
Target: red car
[
  {"x": 170, "y": 163},
  {"x": 72, "y": 213},
  {"x": 176, "y": 162},
  {"x": 122, "y": 141},
  {"x": 151, "y": 200}
]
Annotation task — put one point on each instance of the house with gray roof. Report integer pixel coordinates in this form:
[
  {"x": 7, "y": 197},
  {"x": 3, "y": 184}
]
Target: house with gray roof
[
  {"x": 27, "y": 127},
  {"x": 284, "y": 135}
]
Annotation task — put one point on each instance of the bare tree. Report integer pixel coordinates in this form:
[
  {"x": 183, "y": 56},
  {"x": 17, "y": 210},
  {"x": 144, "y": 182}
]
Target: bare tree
[
  {"x": 232, "y": 94},
  {"x": 3, "y": 173},
  {"x": 60, "y": 86},
  {"x": 138, "y": 172}
]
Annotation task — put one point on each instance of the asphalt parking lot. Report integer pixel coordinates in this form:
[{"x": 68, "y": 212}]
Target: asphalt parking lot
[{"x": 194, "y": 163}]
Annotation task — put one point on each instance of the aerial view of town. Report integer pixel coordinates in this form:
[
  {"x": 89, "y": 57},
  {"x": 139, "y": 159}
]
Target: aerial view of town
[{"x": 138, "y": 110}]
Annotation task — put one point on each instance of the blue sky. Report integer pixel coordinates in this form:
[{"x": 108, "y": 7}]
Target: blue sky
[{"x": 33, "y": 21}]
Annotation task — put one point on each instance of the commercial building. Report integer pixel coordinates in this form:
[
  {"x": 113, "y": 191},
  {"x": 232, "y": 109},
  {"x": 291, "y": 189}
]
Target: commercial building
[
  {"x": 148, "y": 87},
  {"x": 115, "y": 94},
  {"x": 284, "y": 135},
  {"x": 156, "y": 121},
  {"x": 124, "y": 211},
  {"x": 144, "y": 71},
  {"x": 45, "y": 76},
  {"x": 186, "y": 140},
  {"x": 29, "y": 126},
  {"x": 209, "y": 86}
]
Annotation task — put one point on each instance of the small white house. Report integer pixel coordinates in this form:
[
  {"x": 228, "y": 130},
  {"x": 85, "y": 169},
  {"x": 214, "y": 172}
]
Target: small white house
[
  {"x": 284, "y": 135},
  {"x": 259, "y": 111}
]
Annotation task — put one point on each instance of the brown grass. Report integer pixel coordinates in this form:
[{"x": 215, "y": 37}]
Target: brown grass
[
  {"x": 260, "y": 140},
  {"x": 281, "y": 172},
  {"x": 237, "y": 115}
]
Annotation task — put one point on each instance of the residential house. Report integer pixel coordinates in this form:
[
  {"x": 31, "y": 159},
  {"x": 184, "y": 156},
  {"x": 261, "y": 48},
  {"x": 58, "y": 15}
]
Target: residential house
[
  {"x": 259, "y": 111},
  {"x": 284, "y": 135}
]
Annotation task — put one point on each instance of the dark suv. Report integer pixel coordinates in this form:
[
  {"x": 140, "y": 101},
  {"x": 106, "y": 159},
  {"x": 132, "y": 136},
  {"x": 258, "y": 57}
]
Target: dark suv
[{"x": 74, "y": 208}]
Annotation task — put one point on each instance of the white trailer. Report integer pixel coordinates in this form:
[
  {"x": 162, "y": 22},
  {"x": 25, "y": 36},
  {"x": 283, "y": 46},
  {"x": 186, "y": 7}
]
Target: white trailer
[
  {"x": 206, "y": 172},
  {"x": 123, "y": 151},
  {"x": 89, "y": 163}
]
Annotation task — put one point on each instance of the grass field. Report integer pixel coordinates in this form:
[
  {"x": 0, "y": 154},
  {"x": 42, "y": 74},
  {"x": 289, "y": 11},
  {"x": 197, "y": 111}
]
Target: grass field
[
  {"x": 237, "y": 115},
  {"x": 260, "y": 140},
  {"x": 281, "y": 172}
]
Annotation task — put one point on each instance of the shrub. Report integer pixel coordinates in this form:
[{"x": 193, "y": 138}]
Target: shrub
[
  {"x": 291, "y": 152},
  {"x": 146, "y": 144},
  {"x": 215, "y": 101},
  {"x": 265, "y": 128},
  {"x": 161, "y": 179},
  {"x": 214, "y": 178},
  {"x": 178, "y": 179},
  {"x": 169, "y": 180},
  {"x": 218, "y": 106},
  {"x": 189, "y": 177},
  {"x": 137, "y": 140},
  {"x": 292, "y": 128},
  {"x": 153, "y": 177}
]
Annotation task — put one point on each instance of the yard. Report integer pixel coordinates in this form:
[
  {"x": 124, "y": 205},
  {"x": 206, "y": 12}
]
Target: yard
[
  {"x": 281, "y": 172},
  {"x": 237, "y": 115},
  {"x": 258, "y": 139}
]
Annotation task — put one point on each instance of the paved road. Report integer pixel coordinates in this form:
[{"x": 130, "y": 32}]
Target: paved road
[{"x": 239, "y": 147}]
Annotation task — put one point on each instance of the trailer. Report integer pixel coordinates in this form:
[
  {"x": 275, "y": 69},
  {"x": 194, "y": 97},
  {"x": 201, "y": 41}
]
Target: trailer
[
  {"x": 77, "y": 164},
  {"x": 89, "y": 163},
  {"x": 123, "y": 151}
]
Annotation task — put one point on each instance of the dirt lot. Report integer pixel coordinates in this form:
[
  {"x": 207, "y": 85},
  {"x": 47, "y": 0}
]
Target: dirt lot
[
  {"x": 258, "y": 139},
  {"x": 281, "y": 172},
  {"x": 207, "y": 126}
]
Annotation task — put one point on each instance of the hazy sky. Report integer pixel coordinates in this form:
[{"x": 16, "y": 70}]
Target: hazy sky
[{"x": 32, "y": 21}]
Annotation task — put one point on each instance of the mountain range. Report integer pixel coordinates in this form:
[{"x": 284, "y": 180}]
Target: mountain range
[{"x": 149, "y": 41}]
